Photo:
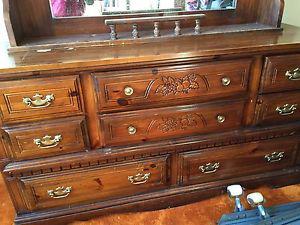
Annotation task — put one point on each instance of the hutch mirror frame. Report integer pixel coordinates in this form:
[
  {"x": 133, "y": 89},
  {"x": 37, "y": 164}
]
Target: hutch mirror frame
[{"x": 24, "y": 28}]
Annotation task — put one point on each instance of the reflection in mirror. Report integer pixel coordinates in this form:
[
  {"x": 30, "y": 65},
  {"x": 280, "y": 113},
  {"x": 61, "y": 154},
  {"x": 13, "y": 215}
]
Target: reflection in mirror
[{"x": 85, "y": 8}]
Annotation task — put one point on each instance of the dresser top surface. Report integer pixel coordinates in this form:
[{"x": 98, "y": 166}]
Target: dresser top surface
[{"x": 177, "y": 49}]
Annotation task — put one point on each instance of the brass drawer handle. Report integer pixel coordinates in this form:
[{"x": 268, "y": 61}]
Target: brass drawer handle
[
  {"x": 60, "y": 192},
  {"x": 132, "y": 130},
  {"x": 128, "y": 91},
  {"x": 226, "y": 81},
  {"x": 139, "y": 178},
  {"x": 274, "y": 157},
  {"x": 293, "y": 74},
  {"x": 37, "y": 102},
  {"x": 221, "y": 119},
  {"x": 47, "y": 141},
  {"x": 209, "y": 168},
  {"x": 287, "y": 109}
]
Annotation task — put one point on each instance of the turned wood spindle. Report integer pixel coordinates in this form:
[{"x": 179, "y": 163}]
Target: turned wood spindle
[
  {"x": 177, "y": 28},
  {"x": 135, "y": 33},
  {"x": 197, "y": 27},
  {"x": 156, "y": 29},
  {"x": 113, "y": 33}
]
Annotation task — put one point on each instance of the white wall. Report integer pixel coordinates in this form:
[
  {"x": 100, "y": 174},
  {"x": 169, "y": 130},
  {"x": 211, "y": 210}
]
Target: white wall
[{"x": 292, "y": 12}]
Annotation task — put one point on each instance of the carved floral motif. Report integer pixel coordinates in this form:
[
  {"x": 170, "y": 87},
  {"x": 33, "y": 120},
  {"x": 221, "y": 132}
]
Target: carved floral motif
[
  {"x": 180, "y": 123},
  {"x": 174, "y": 85}
]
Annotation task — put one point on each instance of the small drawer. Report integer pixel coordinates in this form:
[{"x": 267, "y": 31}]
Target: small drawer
[
  {"x": 235, "y": 161},
  {"x": 276, "y": 108},
  {"x": 34, "y": 99},
  {"x": 172, "y": 122},
  {"x": 47, "y": 139},
  {"x": 92, "y": 185},
  {"x": 281, "y": 73},
  {"x": 200, "y": 82}
]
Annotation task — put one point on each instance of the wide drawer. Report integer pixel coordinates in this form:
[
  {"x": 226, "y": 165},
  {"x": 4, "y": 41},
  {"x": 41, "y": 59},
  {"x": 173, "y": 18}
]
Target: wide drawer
[
  {"x": 171, "y": 122},
  {"x": 276, "y": 108},
  {"x": 38, "y": 98},
  {"x": 47, "y": 139},
  {"x": 281, "y": 73},
  {"x": 235, "y": 161},
  {"x": 92, "y": 185},
  {"x": 200, "y": 82}
]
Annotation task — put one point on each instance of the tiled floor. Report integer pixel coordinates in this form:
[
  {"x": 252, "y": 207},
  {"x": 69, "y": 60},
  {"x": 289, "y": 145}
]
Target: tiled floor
[{"x": 205, "y": 213}]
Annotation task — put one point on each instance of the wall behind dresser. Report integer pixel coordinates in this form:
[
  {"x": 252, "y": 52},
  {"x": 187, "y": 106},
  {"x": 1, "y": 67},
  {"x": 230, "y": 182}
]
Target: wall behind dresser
[{"x": 291, "y": 15}]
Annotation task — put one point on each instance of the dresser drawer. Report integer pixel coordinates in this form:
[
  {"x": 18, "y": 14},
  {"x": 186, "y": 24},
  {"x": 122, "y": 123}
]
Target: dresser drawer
[
  {"x": 46, "y": 139},
  {"x": 275, "y": 108},
  {"x": 171, "y": 122},
  {"x": 198, "y": 82},
  {"x": 235, "y": 161},
  {"x": 98, "y": 184},
  {"x": 41, "y": 97},
  {"x": 281, "y": 73}
]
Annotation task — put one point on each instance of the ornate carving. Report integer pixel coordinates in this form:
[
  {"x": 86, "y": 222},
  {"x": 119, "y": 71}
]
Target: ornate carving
[
  {"x": 172, "y": 85},
  {"x": 182, "y": 123}
]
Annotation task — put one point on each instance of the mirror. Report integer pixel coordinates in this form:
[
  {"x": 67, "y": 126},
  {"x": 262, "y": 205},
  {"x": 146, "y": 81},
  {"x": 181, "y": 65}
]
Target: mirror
[{"x": 87, "y": 8}]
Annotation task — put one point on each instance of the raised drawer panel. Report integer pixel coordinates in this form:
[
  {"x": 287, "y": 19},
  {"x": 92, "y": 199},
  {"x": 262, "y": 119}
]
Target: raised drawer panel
[
  {"x": 281, "y": 73},
  {"x": 47, "y": 139},
  {"x": 235, "y": 161},
  {"x": 24, "y": 100},
  {"x": 157, "y": 124},
  {"x": 277, "y": 108},
  {"x": 199, "y": 82},
  {"x": 96, "y": 184}
]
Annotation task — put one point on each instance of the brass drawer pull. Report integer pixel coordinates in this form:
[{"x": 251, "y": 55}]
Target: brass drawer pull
[
  {"x": 287, "y": 109},
  {"x": 221, "y": 119},
  {"x": 226, "y": 81},
  {"x": 48, "y": 142},
  {"x": 132, "y": 130},
  {"x": 274, "y": 157},
  {"x": 128, "y": 91},
  {"x": 60, "y": 192},
  {"x": 293, "y": 74},
  {"x": 209, "y": 168},
  {"x": 139, "y": 178},
  {"x": 38, "y": 102}
]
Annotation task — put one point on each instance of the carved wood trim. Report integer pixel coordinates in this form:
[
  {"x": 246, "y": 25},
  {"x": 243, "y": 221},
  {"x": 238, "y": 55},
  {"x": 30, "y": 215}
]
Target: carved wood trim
[{"x": 171, "y": 85}]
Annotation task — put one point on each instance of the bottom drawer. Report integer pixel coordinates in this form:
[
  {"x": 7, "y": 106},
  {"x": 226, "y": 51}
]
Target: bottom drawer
[
  {"x": 78, "y": 187},
  {"x": 237, "y": 160}
]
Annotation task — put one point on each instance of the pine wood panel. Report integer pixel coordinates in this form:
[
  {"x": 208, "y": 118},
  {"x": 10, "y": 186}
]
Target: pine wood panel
[
  {"x": 64, "y": 95},
  {"x": 278, "y": 108},
  {"x": 235, "y": 161},
  {"x": 95, "y": 184},
  {"x": 199, "y": 82},
  {"x": 275, "y": 77},
  {"x": 27, "y": 142},
  {"x": 163, "y": 123}
]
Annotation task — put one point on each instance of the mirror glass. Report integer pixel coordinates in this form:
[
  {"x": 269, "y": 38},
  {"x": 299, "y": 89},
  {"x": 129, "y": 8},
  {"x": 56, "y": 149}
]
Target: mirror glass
[{"x": 86, "y": 8}]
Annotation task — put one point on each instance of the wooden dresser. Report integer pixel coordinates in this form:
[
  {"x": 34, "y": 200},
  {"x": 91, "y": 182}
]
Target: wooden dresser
[{"x": 107, "y": 129}]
